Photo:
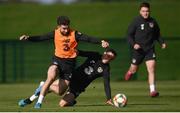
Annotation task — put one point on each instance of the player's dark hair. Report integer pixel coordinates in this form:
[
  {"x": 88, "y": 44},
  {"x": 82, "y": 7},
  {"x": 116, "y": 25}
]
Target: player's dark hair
[
  {"x": 63, "y": 20},
  {"x": 111, "y": 50},
  {"x": 144, "y": 4}
]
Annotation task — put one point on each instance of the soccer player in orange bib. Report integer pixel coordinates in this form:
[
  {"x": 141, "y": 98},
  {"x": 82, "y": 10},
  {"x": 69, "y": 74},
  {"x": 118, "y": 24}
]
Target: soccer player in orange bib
[{"x": 64, "y": 59}]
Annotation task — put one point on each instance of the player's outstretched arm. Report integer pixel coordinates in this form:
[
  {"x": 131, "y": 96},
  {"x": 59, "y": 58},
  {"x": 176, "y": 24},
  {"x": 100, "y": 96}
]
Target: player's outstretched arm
[
  {"x": 38, "y": 38},
  {"x": 83, "y": 37}
]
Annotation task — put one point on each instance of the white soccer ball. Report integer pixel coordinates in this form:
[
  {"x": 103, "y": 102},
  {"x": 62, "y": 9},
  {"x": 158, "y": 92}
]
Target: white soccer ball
[{"x": 120, "y": 100}]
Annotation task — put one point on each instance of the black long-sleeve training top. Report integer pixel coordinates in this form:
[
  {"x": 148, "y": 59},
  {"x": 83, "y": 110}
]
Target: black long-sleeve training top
[
  {"x": 144, "y": 32},
  {"x": 91, "y": 69},
  {"x": 78, "y": 36}
]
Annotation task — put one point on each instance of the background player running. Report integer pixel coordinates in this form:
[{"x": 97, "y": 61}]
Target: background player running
[{"x": 142, "y": 34}]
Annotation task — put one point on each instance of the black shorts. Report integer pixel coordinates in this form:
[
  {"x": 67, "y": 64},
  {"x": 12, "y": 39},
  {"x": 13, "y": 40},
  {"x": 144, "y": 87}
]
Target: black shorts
[
  {"x": 139, "y": 55},
  {"x": 75, "y": 90},
  {"x": 65, "y": 67},
  {"x": 78, "y": 85}
]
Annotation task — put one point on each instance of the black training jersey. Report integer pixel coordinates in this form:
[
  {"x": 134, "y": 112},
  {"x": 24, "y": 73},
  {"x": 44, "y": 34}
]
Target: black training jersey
[
  {"x": 144, "y": 32},
  {"x": 91, "y": 69}
]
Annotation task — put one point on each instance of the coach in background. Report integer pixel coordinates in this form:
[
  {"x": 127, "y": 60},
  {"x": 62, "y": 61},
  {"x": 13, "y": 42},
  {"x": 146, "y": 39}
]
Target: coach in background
[{"x": 142, "y": 34}]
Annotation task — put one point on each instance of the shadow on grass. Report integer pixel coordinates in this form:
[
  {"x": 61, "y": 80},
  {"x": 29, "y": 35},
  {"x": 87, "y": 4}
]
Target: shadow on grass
[
  {"x": 147, "y": 104},
  {"x": 87, "y": 105},
  {"x": 134, "y": 104}
]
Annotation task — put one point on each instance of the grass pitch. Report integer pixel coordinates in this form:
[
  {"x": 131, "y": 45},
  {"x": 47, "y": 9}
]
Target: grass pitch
[{"x": 94, "y": 97}]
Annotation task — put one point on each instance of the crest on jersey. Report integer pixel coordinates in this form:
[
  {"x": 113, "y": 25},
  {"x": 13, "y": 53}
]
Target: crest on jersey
[
  {"x": 92, "y": 61},
  {"x": 133, "y": 60},
  {"x": 100, "y": 70},
  {"x": 151, "y": 24},
  {"x": 70, "y": 75},
  {"x": 88, "y": 70},
  {"x": 142, "y": 26}
]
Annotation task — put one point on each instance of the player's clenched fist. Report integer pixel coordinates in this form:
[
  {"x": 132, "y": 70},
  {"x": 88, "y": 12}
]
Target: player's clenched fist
[
  {"x": 104, "y": 44},
  {"x": 137, "y": 46},
  {"x": 23, "y": 37},
  {"x": 163, "y": 46}
]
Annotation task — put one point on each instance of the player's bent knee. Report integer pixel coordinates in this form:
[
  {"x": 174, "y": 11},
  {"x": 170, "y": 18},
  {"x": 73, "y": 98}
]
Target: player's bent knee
[{"x": 133, "y": 69}]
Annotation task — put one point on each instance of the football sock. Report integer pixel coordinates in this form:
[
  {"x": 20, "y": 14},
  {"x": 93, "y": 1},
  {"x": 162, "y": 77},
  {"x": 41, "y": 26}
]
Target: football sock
[
  {"x": 33, "y": 97},
  {"x": 40, "y": 99},
  {"x": 152, "y": 87}
]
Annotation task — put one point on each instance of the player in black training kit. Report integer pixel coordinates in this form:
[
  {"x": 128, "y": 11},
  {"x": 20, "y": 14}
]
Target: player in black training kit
[
  {"x": 96, "y": 65},
  {"x": 142, "y": 34}
]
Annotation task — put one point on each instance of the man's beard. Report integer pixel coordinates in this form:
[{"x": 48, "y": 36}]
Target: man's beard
[{"x": 65, "y": 34}]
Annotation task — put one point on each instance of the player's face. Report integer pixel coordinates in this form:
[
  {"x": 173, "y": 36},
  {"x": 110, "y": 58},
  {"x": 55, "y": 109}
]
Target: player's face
[
  {"x": 64, "y": 29},
  {"x": 145, "y": 12},
  {"x": 107, "y": 57}
]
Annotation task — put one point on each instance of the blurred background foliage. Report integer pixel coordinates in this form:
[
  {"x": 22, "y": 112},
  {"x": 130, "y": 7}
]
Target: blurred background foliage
[{"x": 105, "y": 19}]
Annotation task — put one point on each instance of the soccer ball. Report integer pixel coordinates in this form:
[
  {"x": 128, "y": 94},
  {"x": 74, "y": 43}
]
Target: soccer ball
[{"x": 120, "y": 100}]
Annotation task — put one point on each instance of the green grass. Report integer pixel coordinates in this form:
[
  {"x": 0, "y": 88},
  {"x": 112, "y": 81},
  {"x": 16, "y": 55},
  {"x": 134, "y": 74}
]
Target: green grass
[
  {"x": 93, "y": 99},
  {"x": 109, "y": 20}
]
